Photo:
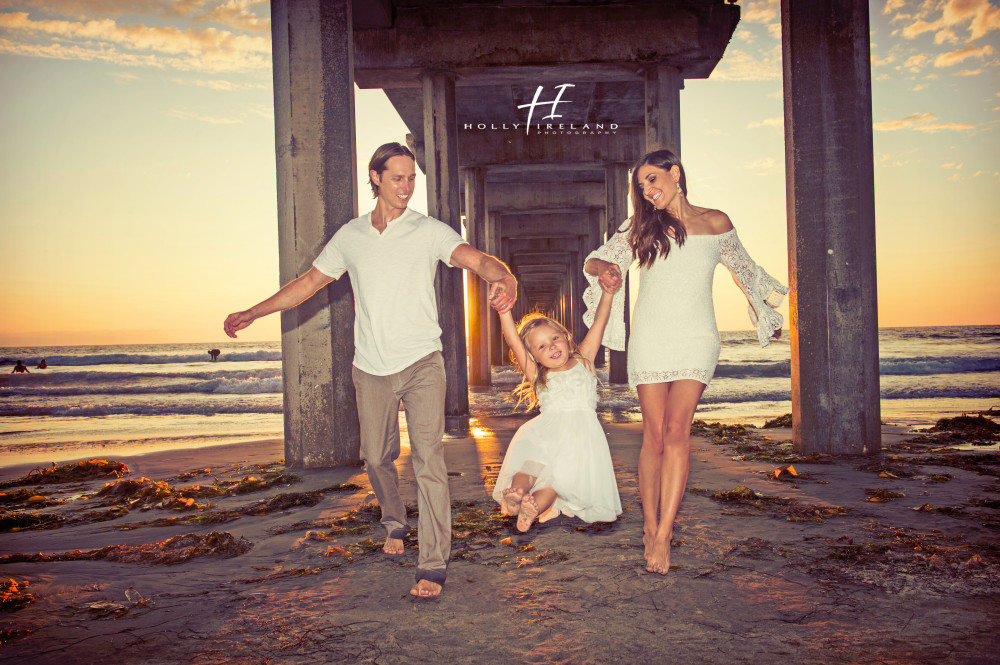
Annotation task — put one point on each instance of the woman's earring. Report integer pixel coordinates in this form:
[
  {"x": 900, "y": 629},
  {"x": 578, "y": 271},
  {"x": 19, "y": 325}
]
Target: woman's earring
[{"x": 679, "y": 190}]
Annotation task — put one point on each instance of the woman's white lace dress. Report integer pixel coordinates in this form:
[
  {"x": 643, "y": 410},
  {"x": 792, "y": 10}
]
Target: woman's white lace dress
[
  {"x": 566, "y": 449},
  {"x": 674, "y": 334}
]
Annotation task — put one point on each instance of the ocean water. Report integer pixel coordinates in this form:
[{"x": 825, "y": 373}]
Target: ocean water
[{"x": 116, "y": 398}]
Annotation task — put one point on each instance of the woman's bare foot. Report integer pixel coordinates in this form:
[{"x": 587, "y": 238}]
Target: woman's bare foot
[
  {"x": 426, "y": 589},
  {"x": 528, "y": 513},
  {"x": 393, "y": 546},
  {"x": 658, "y": 560},
  {"x": 647, "y": 541},
  {"x": 512, "y": 497}
]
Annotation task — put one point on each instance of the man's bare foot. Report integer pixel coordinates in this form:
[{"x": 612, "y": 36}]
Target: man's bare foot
[
  {"x": 512, "y": 497},
  {"x": 393, "y": 546},
  {"x": 426, "y": 589},
  {"x": 658, "y": 560},
  {"x": 529, "y": 511}
]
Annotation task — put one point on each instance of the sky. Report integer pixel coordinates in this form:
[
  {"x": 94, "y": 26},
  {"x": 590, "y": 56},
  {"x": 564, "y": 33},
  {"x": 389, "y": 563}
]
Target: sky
[{"x": 137, "y": 165}]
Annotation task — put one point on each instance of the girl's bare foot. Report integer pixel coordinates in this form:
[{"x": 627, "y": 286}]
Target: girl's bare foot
[
  {"x": 512, "y": 497},
  {"x": 658, "y": 559},
  {"x": 529, "y": 511},
  {"x": 549, "y": 514}
]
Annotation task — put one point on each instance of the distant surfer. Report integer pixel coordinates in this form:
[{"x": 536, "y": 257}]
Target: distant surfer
[
  {"x": 42, "y": 364},
  {"x": 214, "y": 353},
  {"x": 20, "y": 368}
]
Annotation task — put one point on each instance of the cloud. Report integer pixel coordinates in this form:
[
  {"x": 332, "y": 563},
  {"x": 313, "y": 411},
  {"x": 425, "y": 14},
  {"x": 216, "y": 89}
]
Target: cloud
[
  {"x": 922, "y": 122},
  {"x": 762, "y": 11},
  {"x": 955, "y": 57},
  {"x": 223, "y": 86},
  {"x": 126, "y": 77},
  {"x": 887, "y": 160},
  {"x": 878, "y": 61},
  {"x": 969, "y": 72},
  {"x": 767, "y": 122},
  {"x": 192, "y": 49},
  {"x": 952, "y": 165},
  {"x": 914, "y": 62},
  {"x": 763, "y": 166},
  {"x": 188, "y": 115},
  {"x": 237, "y": 14},
  {"x": 740, "y": 65},
  {"x": 977, "y": 17},
  {"x": 892, "y": 5}
]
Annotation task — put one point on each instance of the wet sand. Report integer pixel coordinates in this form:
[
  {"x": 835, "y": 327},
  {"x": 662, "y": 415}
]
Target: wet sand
[{"x": 804, "y": 570}]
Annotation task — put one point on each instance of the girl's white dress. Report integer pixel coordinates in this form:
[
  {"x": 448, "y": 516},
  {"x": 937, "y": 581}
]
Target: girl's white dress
[
  {"x": 566, "y": 449},
  {"x": 673, "y": 334}
]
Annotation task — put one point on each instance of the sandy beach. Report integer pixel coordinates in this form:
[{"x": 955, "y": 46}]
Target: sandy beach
[{"x": 893, "y": 559}]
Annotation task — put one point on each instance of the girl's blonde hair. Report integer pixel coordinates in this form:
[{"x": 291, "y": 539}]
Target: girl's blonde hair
[{"x": 527, "y": 390}]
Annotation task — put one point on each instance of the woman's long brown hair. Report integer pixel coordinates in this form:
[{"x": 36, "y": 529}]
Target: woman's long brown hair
[{"x": 652, "y": 230}]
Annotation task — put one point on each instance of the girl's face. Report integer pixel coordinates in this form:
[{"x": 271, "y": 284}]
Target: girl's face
[{"x": 548, "y": 347}]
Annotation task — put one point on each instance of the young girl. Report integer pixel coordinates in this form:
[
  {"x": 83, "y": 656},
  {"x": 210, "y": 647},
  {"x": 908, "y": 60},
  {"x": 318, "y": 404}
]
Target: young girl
[{"x": 558, "y": 462}]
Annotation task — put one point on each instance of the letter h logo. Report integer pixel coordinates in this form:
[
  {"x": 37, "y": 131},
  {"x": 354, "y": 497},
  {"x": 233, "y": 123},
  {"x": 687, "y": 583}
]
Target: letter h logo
[{"x": 554, "y": 103}]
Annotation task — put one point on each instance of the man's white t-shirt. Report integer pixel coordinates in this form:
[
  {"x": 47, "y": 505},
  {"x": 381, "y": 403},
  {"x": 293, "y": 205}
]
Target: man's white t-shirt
[{"x": 392, "y": 275}]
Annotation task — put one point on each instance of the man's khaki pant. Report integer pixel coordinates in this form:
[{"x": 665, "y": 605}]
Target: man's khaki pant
[{"x": 421, "y": 389}]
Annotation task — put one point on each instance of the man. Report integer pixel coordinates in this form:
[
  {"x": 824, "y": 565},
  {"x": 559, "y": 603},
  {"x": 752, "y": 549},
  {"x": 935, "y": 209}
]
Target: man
[{"x": 391, "y": 255}]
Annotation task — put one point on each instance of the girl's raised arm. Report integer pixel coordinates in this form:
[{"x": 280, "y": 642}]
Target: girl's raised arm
[
  {"x": 521, "y": 355},
  {"x": 592, "y": 341}
]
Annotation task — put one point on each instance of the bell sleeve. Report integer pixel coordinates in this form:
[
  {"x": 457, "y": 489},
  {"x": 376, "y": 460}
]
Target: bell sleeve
[
  {"x": 763, "y": 292},
  {"x": 616, "y": 250}
]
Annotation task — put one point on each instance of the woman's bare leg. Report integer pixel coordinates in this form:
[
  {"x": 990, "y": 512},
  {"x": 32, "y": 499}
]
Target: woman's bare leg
[
  {"x": 682, "y": 400},
  {"x": 653, "y": 403}
]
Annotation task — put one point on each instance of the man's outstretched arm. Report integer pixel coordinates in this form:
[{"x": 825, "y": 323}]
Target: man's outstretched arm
[
  {"x": 288, "y": 296},
  {"x": 503, "y": 286}
]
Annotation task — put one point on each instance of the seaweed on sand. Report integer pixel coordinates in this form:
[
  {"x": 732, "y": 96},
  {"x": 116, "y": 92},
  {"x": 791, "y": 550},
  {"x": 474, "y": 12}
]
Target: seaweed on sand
[
  {"x": 20, "y": 520},
  {"x": 780, "y": 421},
  {"x": 268, "y": 480},
  {"x": 774, "y": 506},
  {"x": 174, "y": 550},
  {"x": 14, "y": 595},
  {"x": 67, "y": 473},
  {"x": 749, "y": 445},
  {"x": 29, "y": 497}
]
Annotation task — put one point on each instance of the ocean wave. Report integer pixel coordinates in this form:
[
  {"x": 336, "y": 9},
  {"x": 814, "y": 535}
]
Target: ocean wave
[
  {"x": 943, "y": 365},
  {"x": 99, "y": 410},
  {"x": 221, "y": 386},
  {"x": 491, "y": 403},
  {"x": 145, "y": 358}
]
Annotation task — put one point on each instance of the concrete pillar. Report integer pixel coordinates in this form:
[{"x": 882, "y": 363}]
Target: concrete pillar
[
  {"x": 479, "y": 308},
  {"x": 616, "y": 211},
  {"x": 663, "y": 108},
  {"x": 831, "y": 226},
  {"x": 315, "y": 149},
  {"x": 443, "y": 202}
]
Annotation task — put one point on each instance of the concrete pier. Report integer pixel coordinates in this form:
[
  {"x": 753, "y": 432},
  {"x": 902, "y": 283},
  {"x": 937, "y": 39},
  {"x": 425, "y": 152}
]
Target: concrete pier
[
  {"x": 831, "y": 226},
  {"x": 315, "y": 147}
]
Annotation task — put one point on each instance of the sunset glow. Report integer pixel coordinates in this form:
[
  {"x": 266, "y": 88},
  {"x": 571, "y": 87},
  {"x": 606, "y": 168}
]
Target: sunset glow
[{"x": 138, "y": 183}]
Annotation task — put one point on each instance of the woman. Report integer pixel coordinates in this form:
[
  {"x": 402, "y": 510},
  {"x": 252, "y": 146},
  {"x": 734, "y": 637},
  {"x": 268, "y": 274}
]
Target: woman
[{"x": 674, "y": 342}]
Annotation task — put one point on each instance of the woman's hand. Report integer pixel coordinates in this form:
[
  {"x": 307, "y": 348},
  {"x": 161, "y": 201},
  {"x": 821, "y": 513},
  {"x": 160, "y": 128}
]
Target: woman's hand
[{"x": 610, "y": 277}]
